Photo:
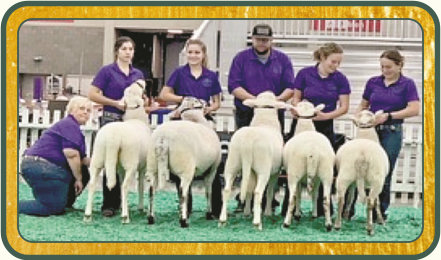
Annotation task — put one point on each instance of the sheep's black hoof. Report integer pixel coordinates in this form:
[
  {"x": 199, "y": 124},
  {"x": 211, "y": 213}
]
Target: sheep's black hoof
[
  {"x": 328, "y": 228},
  {"x": 222, "y": 224},
  {"x": 209, "y": 216},
  {"x": 285, "y": 225},
  {"x": 125, "y": 220},
  {"x": 337, "y": 228},
  {"x": 370, "y": 232},
  {"x": 183, "y": 223},
  {"x": 151, "y": 220},
  {"x": 87, "y": 218},
  {"x": 297, "y": 218}
]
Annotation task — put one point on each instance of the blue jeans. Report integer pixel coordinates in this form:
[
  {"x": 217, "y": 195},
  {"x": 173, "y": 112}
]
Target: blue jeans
[
  {"x": 391, "y": 138},
  {"x": 50, "y": 185}
]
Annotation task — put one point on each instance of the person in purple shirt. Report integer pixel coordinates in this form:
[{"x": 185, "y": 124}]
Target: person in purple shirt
[
  {"x": 258, "y": 69},
  {"x": 322, "y": 84},
  {"x": 55, "y": 167},
  {"x": 397, "y": 96},
  {"x": 107, "y": 89},
  {"x": 196, "y": 80}
]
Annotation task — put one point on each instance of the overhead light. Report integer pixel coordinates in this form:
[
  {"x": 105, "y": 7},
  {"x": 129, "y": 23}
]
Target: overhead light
[{"x": 175, "y": 31}]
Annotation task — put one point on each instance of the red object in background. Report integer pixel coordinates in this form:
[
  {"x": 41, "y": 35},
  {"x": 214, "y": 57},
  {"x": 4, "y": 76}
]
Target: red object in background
[{"x": 347, "y": 25}]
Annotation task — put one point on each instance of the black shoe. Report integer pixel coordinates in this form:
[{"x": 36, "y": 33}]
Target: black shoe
[
  {"x": 108, "y": 212},
  {"x": 240, "y": 207}
]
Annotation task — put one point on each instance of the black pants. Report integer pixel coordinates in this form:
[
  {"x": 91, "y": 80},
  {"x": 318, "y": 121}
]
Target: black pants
[{"x": 71, "y": 196}]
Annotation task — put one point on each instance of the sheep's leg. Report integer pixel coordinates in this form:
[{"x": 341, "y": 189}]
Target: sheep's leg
[
  {"x": 141, "y": 190},
  {"x": 370, "y": 206},
  {"x": 341, "y": 190},
  {"x": 151, "y": 216},
  {"x": 229, "y": 180},
  {"x": 262, "y": 181},
  {"x": 185, "y": 187},
  {"x": 293, "y": 197},
  {"x": 326, "y": 205},
  {"x": 94, "y": 171},
  {"x": 208, "y": 181},
  {"x": 314, "y": 196},
  {"x": 298, "y": 199},
  {"x": 270, "y": 195},
  {"x": 380, "y": 219},
  {"x": 351, "y": 197},
  {"x": 125, "y": 218},
  {"x": 249, "y": 195}
]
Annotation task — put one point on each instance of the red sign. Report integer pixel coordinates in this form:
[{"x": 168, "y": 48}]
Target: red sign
[{"x": 348, "y": 25}]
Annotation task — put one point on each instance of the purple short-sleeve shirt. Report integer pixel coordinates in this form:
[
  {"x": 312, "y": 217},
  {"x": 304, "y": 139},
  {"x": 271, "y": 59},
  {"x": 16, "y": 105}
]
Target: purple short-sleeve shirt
[
  {"x": 65, "y": 133},
  {"x": 248, "y": 72},
  {"x": 185, "y": 84},
  {"x": 112, "y": 82},
  {"x": 392, "y": 98},
  {"x": 318, "y": 90}
]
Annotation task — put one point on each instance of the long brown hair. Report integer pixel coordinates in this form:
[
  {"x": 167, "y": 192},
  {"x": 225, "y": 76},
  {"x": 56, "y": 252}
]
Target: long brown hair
[{"x": 203, "y": 48}]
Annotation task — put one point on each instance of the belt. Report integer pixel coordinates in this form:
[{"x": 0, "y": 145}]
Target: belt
[
  {"x": 35, "y": 158},
  {"x": 393, "y": 127},
  {"x": 112, "y": 115}
]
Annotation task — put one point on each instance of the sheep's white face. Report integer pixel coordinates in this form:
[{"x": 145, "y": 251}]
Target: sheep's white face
[
  {"x": 133, "y": 94},
  {"x": 364, "y": 119},
  {"x": 265, "y": 99}
]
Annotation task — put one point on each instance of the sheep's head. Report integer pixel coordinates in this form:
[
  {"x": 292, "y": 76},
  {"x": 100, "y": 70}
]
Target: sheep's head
[
  {"x": 190, "y": 108},
  {"x": 265, "y": 99},
  {"x": 132, "y": 98},
  {"x": 306, "y": 109},
  {"x": 366, "y": 118}
]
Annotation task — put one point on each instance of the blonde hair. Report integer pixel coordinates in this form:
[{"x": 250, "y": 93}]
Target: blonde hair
[
  {"x": 203, "y": 47},
  {"x": 326, "y": 50},
  {"x": 76, "y": 102}
]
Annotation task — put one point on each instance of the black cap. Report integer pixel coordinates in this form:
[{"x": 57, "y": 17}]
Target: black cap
[{"x": 262, "y": 31}]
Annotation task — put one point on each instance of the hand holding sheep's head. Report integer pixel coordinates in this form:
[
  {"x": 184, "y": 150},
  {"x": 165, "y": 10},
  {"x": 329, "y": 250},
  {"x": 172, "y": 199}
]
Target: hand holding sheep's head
[
  {"x": 265, "y": 99},
  {"x": 366, "y": 118},
  {"x": 306, "y": 109},
  {"x": 132, "y": 98}
]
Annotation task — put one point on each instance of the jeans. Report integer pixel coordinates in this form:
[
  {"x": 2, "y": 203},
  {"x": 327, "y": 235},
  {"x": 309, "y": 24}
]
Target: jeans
[
  {"x": 50, "y": 185},
  {"x": 391, "y": 138},
  {"x": 111, "y": 198},
  {"x": 71, "y": 196}
]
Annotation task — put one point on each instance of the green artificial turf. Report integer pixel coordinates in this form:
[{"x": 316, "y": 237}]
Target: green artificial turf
[{"x": 404, "y": 224}]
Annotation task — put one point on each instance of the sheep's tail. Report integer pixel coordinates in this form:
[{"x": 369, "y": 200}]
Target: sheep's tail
[
  {"x": 111, "y": 161},
  {"x": 311, "y": 169},
  {"x": 246, "y": 155},
  {"x": 162, "y": 155},
  {"x": 362, "y": 167}
]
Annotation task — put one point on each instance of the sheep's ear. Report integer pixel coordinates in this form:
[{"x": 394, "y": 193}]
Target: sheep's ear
[
  {"x": 319, "y": 107},
  {"x": 249, "y": 102},
  {"x": 379, "y": 112}
]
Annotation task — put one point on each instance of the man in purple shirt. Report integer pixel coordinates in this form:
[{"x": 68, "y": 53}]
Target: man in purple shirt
[{"x": 258, "y": 69}]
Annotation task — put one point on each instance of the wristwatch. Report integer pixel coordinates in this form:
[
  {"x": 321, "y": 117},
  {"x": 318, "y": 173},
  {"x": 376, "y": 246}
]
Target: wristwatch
[{"x": 389, "y": 116}]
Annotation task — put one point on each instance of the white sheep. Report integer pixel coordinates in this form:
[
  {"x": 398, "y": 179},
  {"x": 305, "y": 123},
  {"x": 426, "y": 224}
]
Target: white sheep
[
  {"x": 362, "y": 160},
  {"x": 308, "y": 154},
  {"x": 187, "y": 148},
  {"x": 121, "y": 148},
  {"x": 256, "y": 151}
]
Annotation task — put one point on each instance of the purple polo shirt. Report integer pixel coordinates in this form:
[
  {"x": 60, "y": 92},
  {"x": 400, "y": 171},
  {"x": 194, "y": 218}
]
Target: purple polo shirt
[
  {"x": 392, "y": 98},
  {"x": 112, "y": 82},
  {"x": 318, "y": 90},
  {"x": 185, "y": 84},
  {"x": 246, "y": 71},
  {"x": 65, "y": 133}
]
